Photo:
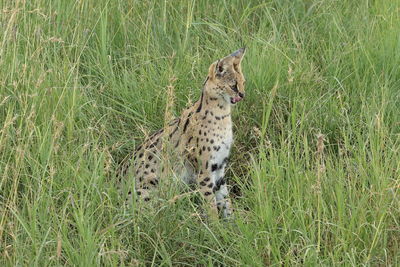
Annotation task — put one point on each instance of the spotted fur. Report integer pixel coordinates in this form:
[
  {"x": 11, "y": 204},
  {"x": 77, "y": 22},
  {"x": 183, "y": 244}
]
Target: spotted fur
[{"x": 201, "y": 138}]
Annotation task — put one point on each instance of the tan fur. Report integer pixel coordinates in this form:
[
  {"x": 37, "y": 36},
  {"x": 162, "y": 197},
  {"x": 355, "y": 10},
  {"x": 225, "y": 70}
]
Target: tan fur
[{"x": 201, "y": 138}]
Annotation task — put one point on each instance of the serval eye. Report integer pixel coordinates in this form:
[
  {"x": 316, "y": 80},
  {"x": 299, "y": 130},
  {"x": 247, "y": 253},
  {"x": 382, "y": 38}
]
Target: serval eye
[
  {"x": 220, "y": 69},
  {"x": 235, "y": 88}
]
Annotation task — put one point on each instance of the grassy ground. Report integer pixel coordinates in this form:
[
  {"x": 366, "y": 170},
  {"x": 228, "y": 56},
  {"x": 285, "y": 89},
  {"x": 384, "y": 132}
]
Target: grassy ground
[{"x": 315, "y": 167}]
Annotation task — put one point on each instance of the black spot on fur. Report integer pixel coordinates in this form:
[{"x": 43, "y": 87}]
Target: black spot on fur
[
  {"x": 210, "y": 185},
  {"x": 140, "y": 155},
  {"x": 190, "y": 139},
  {"x": 212, "y": 141},
  {"x": 214, "y": 167},
  {"x": 147, "y": 166},
  {"x": 138, "y": 193},
  {"x": 207, "y": 193},
  {"x": 206, "y": 179},
  {"x": 149, "y": 157},
  {"x": 156, "y": 133},
  {"x": 202, "y": 183},
  {"x": 176, "y": 121},
  {"x": 146, "y": 199},
  {"x": 153, "y": 144},
  {"x": 201, "y": 103},
  {"x": 218, "y": 118},
  {"x": 138, "y": 148},
  {"x": 186, "y": 125},
  {"x": 219, "y": 183},
  {"x": 173, "y": 132}
]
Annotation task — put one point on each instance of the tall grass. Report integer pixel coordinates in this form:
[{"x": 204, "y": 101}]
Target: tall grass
[{"x": 315, "y": 167}]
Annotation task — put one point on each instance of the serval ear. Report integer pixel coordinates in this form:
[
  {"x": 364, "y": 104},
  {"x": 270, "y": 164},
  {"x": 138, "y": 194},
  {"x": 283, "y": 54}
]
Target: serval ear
[
  {"x": 213, "y": 70},
  {"x": 233, "y": 59},
  {"x": 238, "y": 55},
  {"x": 219, "y": 67},
  {"x": 237, "y": 58}
]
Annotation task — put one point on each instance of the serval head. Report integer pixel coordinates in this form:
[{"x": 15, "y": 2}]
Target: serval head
[{"x": 225, "y": 78}]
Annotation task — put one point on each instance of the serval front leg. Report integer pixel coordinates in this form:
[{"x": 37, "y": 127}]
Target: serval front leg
[
  {"x": 223, "y": 200},
  {"x": 206, "y": 181}
]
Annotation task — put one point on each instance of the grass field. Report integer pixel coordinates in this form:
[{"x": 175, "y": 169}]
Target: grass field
[{"x": 315, "y": 168}]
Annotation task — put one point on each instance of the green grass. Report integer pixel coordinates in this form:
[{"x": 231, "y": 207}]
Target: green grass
[{"x": 81, "y": 82}]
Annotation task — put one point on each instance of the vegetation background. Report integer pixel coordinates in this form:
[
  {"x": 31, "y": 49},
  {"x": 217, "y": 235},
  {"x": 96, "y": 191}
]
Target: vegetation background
[{"x": 315, "y": 166}]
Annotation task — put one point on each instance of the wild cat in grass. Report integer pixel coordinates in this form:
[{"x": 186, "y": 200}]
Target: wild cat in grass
[{"x": 201, "y": 138}]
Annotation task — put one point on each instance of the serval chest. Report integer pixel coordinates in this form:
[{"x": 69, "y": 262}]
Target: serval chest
[{"x": 214, "y": 136}]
